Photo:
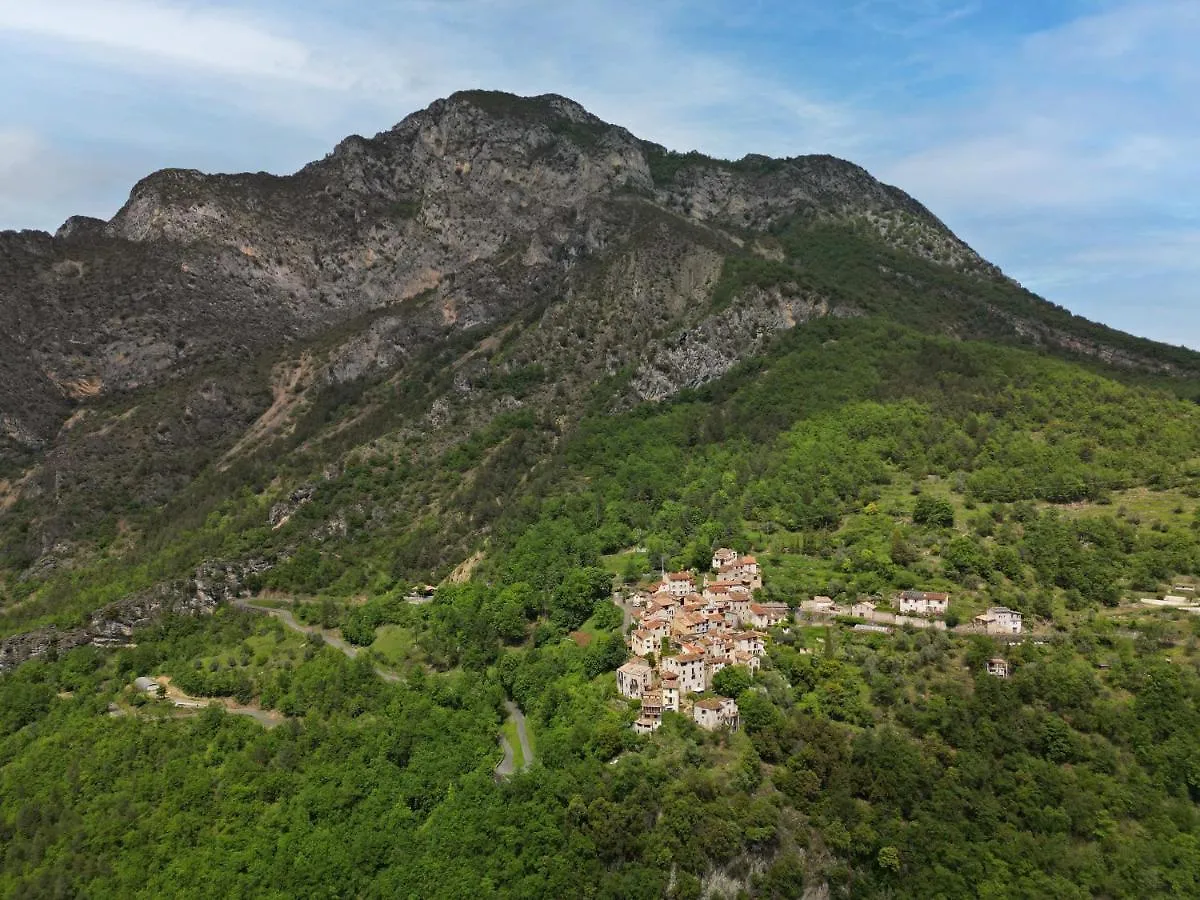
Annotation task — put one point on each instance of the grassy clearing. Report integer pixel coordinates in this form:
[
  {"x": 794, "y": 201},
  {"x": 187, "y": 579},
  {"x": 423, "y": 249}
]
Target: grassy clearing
[
  {"x": 626, "y": 562},
  {"x": 1169, "y": 506},
  {"x": 509, "y": 729},
  {"x": 393, "y": 644}
]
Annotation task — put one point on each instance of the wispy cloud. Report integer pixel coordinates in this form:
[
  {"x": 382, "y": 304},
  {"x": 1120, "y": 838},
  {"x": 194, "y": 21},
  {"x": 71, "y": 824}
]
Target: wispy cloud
[{"x": 130, "y": 32}]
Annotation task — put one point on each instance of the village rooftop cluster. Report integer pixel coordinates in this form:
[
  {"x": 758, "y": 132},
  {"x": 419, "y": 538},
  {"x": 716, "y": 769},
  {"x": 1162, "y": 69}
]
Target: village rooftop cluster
[{"x": 687, "y": 632}]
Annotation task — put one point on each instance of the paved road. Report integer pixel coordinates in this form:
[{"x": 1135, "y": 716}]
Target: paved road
[
  {"x": 506, "y": 767},
  {"x": 332, "y": 638},
  {"x": 626, "y": 614}
]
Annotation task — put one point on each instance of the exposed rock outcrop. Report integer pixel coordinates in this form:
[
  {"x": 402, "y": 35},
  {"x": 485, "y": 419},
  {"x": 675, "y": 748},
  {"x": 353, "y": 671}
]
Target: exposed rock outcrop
[{"x": 115, "y": 624}]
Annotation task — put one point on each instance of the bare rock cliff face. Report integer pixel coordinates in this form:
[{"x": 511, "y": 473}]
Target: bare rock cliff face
[
  {"x": 196, "y": 266},
  {"x": 114, "y": 625}
]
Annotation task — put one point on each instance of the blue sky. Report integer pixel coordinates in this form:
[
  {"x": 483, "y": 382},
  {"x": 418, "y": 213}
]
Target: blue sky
[{"x": 1059, "y": 137}]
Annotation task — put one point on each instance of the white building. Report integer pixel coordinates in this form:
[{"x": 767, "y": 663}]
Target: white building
[
  {"x": 670, "y": 691},
  {"x": 999, "y": 620},
  {"x": 750, "y": 642},
  {"x": 998, "y": 667},
  {"x": 723, "y": 557},
  {"x": 716, "y": 712},
  {"x": 690, "y": 669},
  {"x": 679, "y": 584},
  {"x": 924, "y": 603}
]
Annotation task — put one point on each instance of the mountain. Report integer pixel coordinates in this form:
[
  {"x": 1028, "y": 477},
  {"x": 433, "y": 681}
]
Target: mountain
[
  {"x": 486, "y": 241},
  {"x": 514, "y": 352}
]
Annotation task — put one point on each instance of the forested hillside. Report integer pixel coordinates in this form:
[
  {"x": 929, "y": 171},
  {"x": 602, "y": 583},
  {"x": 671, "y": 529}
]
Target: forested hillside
[{"x": 524, "y": 361}]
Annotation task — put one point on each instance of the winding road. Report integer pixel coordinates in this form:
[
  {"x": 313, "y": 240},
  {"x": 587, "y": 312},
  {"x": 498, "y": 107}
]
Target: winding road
[
  {"x": 506, "y": 767},
  {"x": 332, "y": 638}
]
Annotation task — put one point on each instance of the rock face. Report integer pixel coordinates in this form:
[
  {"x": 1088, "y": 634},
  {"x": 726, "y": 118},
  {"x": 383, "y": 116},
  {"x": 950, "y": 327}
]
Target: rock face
[
  {"x": 114, "y": 625},
  {"x": 196, "y": 267}
]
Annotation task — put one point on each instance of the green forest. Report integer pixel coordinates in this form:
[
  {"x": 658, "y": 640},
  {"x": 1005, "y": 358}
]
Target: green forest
[{"x": 855, "y": 457}]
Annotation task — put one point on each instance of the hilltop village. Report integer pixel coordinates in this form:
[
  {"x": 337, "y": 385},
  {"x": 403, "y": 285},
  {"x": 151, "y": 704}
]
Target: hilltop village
[{"x": 685, "y": 632}]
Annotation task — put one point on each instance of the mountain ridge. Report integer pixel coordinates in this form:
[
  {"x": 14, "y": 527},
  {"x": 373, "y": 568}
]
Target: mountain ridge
[{"x": 489, "y": 253}]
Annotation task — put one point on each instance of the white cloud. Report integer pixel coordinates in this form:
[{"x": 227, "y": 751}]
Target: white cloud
[{"x": 127, "y": 32}]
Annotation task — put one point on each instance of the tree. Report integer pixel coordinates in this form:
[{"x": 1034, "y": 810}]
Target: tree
[
  {"x": 889, "y": 859},
  {"x": 575, "y": 598},
  {"x": 933, "y": 512},
  {"x": 901, "y": 551},
  {"x": 732, "y": 681}
]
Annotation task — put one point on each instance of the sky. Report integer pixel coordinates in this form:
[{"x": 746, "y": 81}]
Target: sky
[{"x": 1060, "y": 138}]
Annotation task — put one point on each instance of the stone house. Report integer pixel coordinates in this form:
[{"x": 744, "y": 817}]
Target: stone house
[
  {"x": 768, "y": 615},
  {"x": 750, "y": 642},
  {"x": 679, "y": 584},
  {"x": 999, "y": 620},
  {"x": 723, "y": 557},
  {"x": 819, "y": 605},
  {"x": 685, "y": 625},
  {"x": 712, "y": 713},
  {"x": 634, "y": 678},
  {"x": 647, "y": 725},
  {"x": 643, "y": 642},
  {"x": 691, "y": 671},
  {"x": 998, "y": 667},
  {"x": 862, "y": 609},
  {"x": 670, "y": 691},
  {"x": 924, "y": 603},
  {"x": 744, "y": 570}
]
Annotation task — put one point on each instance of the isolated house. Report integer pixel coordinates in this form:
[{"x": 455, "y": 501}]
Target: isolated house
[
  {"x": 998, "y": 667},
  {"x": 633, "y": 678},
  {"x": 999, "y": 620},
  {"x": 712, "y": 713},
  {"x": 924, "y": 603},
  {"x": 819, "y": 605}
]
